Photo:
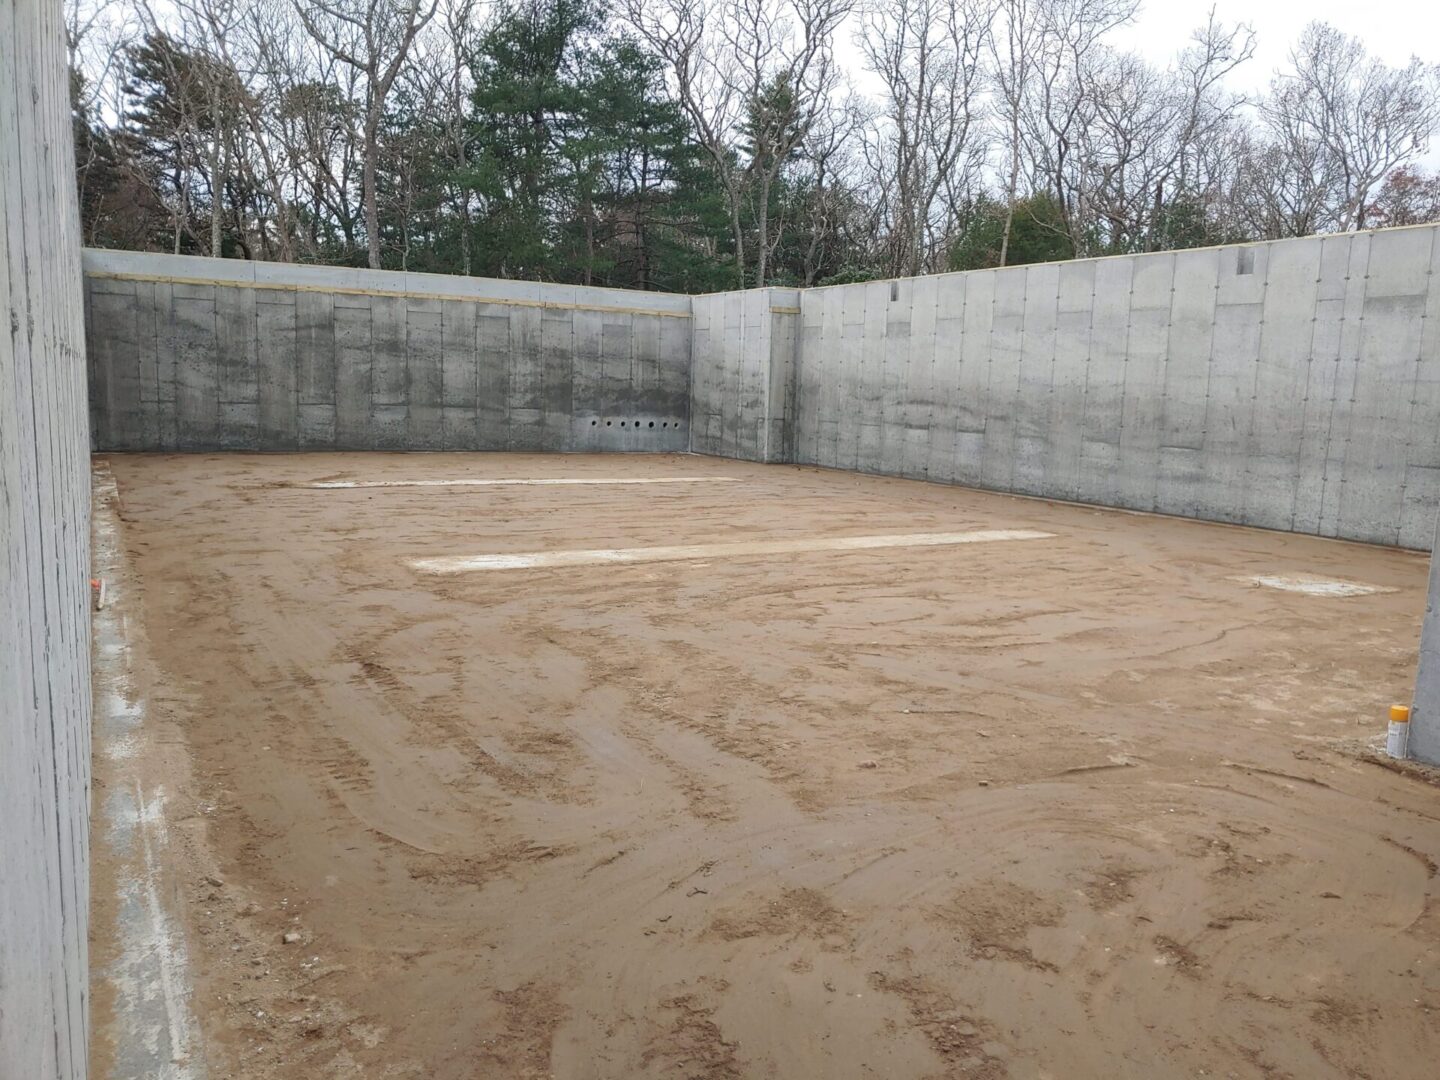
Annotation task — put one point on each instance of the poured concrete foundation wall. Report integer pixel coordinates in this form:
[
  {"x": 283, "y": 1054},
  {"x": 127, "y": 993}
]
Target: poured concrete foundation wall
[
  {"x": 44, "y": 562},
  {"x": 1293, "y": 385},
  {"x": 218, "y": 354},
  {"x": 742, "y": 383}
]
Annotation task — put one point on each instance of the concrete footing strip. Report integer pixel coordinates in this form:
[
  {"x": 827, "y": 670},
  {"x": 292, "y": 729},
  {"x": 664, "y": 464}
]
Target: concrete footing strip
[
  {"x": 151, "y": 1020},
  {"x": 538, "y": 482},
  {"x": 455, "y": 564}
]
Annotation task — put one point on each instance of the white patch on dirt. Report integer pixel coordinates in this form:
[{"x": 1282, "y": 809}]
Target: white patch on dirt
[
  {"x": 539, "y": 482},
  {"x": 1314, "y": 586},
  {"x": 537, "y": 559}
]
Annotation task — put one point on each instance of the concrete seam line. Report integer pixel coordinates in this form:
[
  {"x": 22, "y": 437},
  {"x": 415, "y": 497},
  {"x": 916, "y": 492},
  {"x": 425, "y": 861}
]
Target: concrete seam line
[
  {"x": 538, "y": 482},
  {"x": 339, "y": 290},
  {"x": 452, "y": 564}
]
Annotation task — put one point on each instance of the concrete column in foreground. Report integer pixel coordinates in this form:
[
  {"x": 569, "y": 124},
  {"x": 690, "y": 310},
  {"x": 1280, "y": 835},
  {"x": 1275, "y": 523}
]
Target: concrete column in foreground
[
  {"x": 1425, "y": 716},
  {"x": 44, "y": 562}
]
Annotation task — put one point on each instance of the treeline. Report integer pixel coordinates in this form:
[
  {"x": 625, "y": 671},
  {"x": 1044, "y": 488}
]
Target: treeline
[{"x": 694, "y": 145}]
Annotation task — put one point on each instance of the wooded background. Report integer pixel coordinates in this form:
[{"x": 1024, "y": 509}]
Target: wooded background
[{"x": 694, "y": 145}]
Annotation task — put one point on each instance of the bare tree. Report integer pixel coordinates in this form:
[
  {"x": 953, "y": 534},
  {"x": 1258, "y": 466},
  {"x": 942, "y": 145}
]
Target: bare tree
[
  {"x": 1144, "y": 172},
  {"x": 1124, "y": 150},
  {"x": 316, "y": 112},
  {"x": 266, "y": 126},
  {"x": 1407, "y": 197},
  {"x": 441, "y": 76},
  {"x": 682, "y": 33},
  {"x": 1046, "y": 77},
  {"x": 96, "y": 33},
  {"x": 374, "y": 38},
  {"x": 259, "y": 45},
  {"x": 786, "y": 75},
  {"x": 1015, "y": 50},
  {"x": 830, "y": 179},
  {"x": 1359, "y": 116},
  {"x": 752, "y": 76},
  {"x": 927, "y": 54},
  {"x": 1282, "y": 186},
  {"x": 1205, "y": 108},
  {"x": 190, "y": 127}
]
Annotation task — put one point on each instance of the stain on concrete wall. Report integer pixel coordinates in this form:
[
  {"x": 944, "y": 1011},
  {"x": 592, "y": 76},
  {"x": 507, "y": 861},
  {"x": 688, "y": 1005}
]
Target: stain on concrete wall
[
  {"x": 44, "y": 545},
  {"x": 1292, "y": 385},
  {"x": 218, "y": 354}
]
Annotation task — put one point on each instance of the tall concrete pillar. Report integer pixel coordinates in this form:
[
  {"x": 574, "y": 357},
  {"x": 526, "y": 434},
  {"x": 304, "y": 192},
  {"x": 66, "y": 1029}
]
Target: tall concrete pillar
[
  {"x": 44, "y": 561},
  {"x": 1425, "y": 716}
]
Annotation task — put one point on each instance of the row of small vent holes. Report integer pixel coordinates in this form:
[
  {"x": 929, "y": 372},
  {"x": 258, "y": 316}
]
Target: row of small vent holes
[{"x": 635, "y": 423}]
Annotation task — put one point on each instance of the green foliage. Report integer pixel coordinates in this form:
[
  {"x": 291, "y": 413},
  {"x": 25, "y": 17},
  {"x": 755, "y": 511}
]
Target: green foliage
[
  {"x": 118, "y": 204},
  {"x": 527, "y": 103},
  {"x": 1037, "y": 234},
  {"x": 585, "y": 167},
  {"x": 561, "y": 154},
  {"x": 850, "y": 275}
]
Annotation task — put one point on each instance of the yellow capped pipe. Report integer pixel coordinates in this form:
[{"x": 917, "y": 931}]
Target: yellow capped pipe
[{"x": 1397, "y": 739}]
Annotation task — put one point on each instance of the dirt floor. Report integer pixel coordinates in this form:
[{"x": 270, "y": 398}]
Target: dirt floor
[{"x": 1084, "y": 806}]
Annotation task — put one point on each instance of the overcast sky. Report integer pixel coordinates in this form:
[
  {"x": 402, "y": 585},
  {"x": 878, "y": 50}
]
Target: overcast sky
[{"x": 1391, "y": 29}]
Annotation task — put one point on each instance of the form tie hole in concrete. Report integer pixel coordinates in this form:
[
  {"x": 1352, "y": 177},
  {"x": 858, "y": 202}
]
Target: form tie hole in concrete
[
  {"x": 594, "y": 422},
  {"x": 607, "y": 423},
  {"x": 622, "y": 423},
  {"x": 652, "y": 423}
]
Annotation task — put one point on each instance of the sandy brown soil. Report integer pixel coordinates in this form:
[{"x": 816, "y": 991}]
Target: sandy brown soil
[{"x": 1075, "y": 807}]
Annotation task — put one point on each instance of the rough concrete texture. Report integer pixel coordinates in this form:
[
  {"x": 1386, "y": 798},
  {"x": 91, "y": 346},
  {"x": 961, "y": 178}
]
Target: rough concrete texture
[
  {"x": 1425, "y": 714},
  {"x": 218, "y": 354},
  {"x": 743, "y": 365},
  {"x": 44, "y": 550},
  {"x": 1293, "y": 385}
]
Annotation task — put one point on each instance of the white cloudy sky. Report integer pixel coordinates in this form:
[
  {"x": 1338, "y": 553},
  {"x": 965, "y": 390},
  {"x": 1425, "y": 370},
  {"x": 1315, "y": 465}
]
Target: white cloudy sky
[{"x": 1392, "y": 30}]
